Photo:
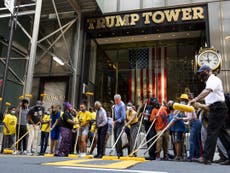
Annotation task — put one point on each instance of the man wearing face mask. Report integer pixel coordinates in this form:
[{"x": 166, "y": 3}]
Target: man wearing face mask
[{"x": 213, "y": 94}]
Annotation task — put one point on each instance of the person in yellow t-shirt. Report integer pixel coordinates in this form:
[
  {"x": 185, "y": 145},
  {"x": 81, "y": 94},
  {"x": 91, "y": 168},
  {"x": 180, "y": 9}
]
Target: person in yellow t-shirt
[
  {"x": 84, "y": 118},
  {"x": 132, "y": 121},
  {"x": 74, "y": 133},
  {"x": 92, "y": 130},
  {"x": 45, "y": 131},
  {"x": 9, "y": 128}
]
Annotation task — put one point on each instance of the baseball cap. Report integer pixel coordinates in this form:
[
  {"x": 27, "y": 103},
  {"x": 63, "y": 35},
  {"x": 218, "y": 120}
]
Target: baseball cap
[{"x": 203, "y": 68}]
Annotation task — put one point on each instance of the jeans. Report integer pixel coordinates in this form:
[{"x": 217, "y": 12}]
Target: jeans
[
  {"x": 22, "y": 145},
  {"x": 44, "y": 141},
  {"x": 194, "y": 139}
]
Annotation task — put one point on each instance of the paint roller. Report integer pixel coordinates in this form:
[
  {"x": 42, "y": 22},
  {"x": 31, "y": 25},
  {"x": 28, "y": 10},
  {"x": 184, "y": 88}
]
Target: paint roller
[{"x": 183, "y": 108}]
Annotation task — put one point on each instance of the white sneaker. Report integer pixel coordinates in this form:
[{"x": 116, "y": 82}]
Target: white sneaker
[{"x": 82, "y": 154}]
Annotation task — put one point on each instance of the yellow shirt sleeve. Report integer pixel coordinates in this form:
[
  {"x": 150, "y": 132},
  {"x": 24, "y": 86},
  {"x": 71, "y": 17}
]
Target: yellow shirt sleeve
[
  {"x": 46, "y": 127},
  {"x": 11, "y": 122}
]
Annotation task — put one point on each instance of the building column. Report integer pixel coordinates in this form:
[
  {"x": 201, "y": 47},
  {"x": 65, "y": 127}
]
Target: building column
[
  {"x": 76, "y": 54},
  {"x": 33, "y": 49}
]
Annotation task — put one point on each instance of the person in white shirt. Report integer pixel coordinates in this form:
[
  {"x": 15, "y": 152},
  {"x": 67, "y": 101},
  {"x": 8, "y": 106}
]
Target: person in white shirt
[{"x": 213, "y": 94}]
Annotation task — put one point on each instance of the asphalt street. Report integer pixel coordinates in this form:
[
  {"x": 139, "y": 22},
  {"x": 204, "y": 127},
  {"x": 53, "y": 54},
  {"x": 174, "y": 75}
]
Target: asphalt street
[{"x": 35, "y": 164}]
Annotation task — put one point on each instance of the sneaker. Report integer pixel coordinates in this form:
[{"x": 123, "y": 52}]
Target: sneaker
[
  {"x": 158, "y": 158},
  {"x": 82, "y": 154},
  {"x": 29, "y": 154},
  {"x": 226, "y": 162},
  {"x": 24, "y": 153}
]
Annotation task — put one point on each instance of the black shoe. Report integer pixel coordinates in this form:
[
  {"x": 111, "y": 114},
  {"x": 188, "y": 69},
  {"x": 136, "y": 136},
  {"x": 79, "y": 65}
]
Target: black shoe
[
  {"x": 150, "y": 158},
  {"x": 99, "y": 156},
  {"x": 219, "y": 160},
  {"x": 204, "y": 161},
  {"x": 226, "y": 162}
]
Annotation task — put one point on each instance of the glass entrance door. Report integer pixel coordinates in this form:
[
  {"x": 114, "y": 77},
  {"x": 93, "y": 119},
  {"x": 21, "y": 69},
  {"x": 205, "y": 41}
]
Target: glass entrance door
[{"x": 147, "y": 69}]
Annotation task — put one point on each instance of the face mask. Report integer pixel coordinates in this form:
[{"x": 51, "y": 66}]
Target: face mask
[
  {"x": 129, "y": 108},
  {"x": 48, "y": 112},
  {"x": 204, "y": 76},
  {"x": 183, "y": 102},
  {"x": 170, "y": 108},
  {"x": 13, "y": 112}
]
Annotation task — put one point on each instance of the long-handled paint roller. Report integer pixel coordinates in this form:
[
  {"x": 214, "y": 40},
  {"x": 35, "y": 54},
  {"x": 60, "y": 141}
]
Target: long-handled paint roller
[
  {"x": 183, "y": 108},
  {"x": 176, "y": 106},
  {"x": 139, "y": 128},
  {"x": 135, "y": 151},
  {"x": 132, "y": 157},
  {"x": 75, "y": 146},
  {"x": 110, "y": 157},
  {"x": 160, "y": 134},
  {"x": 90, "y": 156}
]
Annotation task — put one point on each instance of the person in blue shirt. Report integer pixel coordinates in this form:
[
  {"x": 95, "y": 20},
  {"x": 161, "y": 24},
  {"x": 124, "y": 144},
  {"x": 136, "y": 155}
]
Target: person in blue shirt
[
  {"x": 118, "y": 121},
  {"x": 55, "y": 129},
  {"x": 177, "y": 131}
]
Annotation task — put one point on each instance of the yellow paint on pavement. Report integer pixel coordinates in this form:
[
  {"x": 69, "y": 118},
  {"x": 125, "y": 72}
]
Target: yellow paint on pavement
[{"x": 120, "y": 164}]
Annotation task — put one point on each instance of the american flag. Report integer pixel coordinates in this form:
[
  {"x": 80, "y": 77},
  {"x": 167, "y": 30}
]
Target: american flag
[{"x": 148, "y": 74}]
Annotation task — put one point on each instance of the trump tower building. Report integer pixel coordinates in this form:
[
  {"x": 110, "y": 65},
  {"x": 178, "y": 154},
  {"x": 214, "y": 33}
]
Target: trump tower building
[{"x": 137, "y": 48}]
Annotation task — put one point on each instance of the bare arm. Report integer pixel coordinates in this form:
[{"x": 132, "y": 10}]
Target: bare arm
[{"x": 201, "y": 96}]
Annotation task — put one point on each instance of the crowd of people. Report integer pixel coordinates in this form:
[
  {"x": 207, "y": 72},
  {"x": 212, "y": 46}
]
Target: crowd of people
[{"x": 69, "y": 130}]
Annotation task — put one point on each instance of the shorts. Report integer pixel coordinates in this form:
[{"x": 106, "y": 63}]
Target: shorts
[
  {"x": 55, "y": 134},
  {"x": 177, "y": 136},
  {"x": 84, "y": 131}
]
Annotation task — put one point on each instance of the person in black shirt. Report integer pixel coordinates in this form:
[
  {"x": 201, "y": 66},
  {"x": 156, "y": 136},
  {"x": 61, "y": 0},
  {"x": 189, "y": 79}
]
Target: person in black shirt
[
  {"x": 66, "y": 126},
  {"x": 34, "y": 118}
]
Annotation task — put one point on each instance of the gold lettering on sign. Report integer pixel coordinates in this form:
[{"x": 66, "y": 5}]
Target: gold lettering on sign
[
  {"x": 91, "y": 21},
  {"x": 158, "y": 17},
  {"x": 100, "y": 23},
  {"x": 198, "y": 13},
  {"x": 147, "y": 16},
  {"x": 122, "y": 22},
  {"x": 134, "y": 18},
  {"x": 186, "y": 15},
  {"x": 172, "y": 15},
  {"x": 109, "y": 21}
]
